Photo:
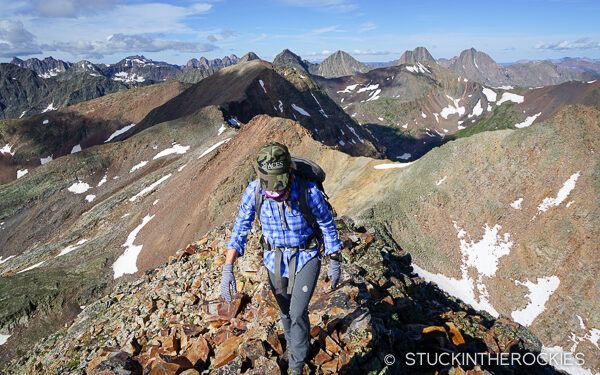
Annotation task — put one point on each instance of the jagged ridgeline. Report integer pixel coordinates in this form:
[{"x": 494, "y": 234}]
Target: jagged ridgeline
[{"x": 98, "y": 193}]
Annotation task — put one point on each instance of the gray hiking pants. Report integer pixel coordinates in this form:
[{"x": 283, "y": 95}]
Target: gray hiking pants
[{"x": 294, "y": 311}]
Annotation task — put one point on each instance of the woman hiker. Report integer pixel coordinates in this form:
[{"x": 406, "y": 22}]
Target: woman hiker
[{"x": 291, "y": 245}]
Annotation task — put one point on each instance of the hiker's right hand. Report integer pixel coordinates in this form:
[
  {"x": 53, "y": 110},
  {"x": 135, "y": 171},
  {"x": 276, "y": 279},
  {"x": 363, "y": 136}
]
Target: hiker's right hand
[
  {"x": 334, "y": 272},
  {"x": 227, "y": 282}
]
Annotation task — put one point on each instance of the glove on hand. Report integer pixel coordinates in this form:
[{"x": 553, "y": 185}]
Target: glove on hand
[
  {"x": 227, "y": 281},
  {"x": 334, "y": 272}
]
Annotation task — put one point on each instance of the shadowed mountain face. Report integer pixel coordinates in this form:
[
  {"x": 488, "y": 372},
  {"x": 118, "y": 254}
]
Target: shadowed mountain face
[
  {"x": 480, "y": 67},
  {"x": 290, "y": 59},
  {"x": 23, "y": 93},
  {"x": 257, "y": 87}
]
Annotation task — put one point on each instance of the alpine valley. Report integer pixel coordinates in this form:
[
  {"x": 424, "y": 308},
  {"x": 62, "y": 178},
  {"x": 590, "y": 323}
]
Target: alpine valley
[{"x": 467, "y": 193}]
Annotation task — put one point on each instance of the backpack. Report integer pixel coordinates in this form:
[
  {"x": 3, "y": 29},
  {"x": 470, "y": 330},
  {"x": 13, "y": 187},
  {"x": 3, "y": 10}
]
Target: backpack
[{"x": 306, "y": 170}]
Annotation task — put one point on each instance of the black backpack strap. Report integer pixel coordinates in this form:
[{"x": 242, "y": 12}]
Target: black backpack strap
[
  {"x": 258, "y": 200},
  {"x": 303, "y": 192}
]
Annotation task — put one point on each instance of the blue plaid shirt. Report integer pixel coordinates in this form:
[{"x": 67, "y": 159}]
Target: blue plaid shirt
[{"x": 277, "y": 234}]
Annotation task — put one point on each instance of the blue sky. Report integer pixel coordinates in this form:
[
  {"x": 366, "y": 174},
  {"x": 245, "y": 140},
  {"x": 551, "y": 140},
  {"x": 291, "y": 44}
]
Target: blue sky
[{"x": 176, "y": 31}]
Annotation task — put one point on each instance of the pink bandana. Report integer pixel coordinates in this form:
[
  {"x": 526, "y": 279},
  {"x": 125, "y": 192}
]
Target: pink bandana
[{"x": 277, "y": 195}]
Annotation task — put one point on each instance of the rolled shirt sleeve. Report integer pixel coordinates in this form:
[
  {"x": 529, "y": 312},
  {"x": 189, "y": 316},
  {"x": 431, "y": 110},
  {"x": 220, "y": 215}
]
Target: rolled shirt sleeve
[
  {"x": 324, "y": 218},
  {"x": 244, "y": 220}
]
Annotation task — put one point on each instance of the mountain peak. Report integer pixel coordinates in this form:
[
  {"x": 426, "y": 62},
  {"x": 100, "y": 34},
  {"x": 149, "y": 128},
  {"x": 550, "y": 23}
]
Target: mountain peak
[
  {"x": 419, "y": 54},
  {"x": 340, "y": 64},
  {"x": 248, "y": 57}
]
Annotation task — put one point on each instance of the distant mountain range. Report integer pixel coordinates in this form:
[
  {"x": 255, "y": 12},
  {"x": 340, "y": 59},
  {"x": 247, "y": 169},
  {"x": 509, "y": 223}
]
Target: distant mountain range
[
  {"x": 132, "y": 69},
  {"x": 478, "y": 66}
]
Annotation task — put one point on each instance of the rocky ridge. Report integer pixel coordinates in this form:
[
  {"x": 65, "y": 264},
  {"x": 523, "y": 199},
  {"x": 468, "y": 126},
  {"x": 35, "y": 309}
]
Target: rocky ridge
[{"x": 171, "y": 321}]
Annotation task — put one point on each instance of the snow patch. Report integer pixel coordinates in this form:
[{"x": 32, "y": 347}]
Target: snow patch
[
  {"x": 504, "y": 87},
  {"x": 528, "y": 121},
  {"x": 50, "y": 107},
  {"x": 592, "y": 81},
  {"x": 509, "y": 96},
  {"x": 75, "y": 149},
  {"x": 176, "y": 149},
  {"x": 281, "y": 106},
  {"x": 477, "y": 110},
  {"x": 391, "y": 166},
  {"x": 375, "y": 95},
  {"x": 126, "y": 263},
  {"x": 23, "y": 114},
  {"x": 5, "y": 260},
  {"x": 348, "y": 89},
  {"x": 90, "y": 197},
  {"x": 319, "y": 104},
  {"x": 79, "y": 187},
  {"x": 404, "y": 156},
  {"x": 45, "y": 122},
  {"x": 155, "y": 202},
  {"x": 517, "y": 204},
  {"x": 341, "y": 143},
  {"x": 562, "y": 194},
  {"x": 538, "y": 295},
  {"x": 102, "y": 182},
  {"x": 181, "y": 168},
  {"x": 423, "y": 115},
  {"x": 380, "y": 118},
  {"x": 442, "y": 180},
  {"x": 4, "y": 339},
  {"x": 32, "y": 267},
  {"x": 222, "y": 129},
  {"x": 449, "y": 110},
  {"x": 571, "y": 367},
  {"x": 211, "y": 148},
  {"x": 119, "y": 132},
  {"x": 7, "y": 150},
  {"x": 70, "y": 248},
  {"x": 354, "y": 132},
  {"x": 300, "y": 110},
  {"x": 138, "y": 166},
  {"x": 149, "y": 188},
  {"x": 262, "y": 84},
  {"x": 368, "y": 88}
]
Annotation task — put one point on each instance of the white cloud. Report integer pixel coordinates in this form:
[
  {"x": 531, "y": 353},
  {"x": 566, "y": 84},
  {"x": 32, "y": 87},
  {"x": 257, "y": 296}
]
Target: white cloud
[
  {"x": 367, "y": 26},
  {"x": 135, "y": 19},
  {"x": 584, "y": 43},
  {"x": 16, "y": 40},
  {"x": 328, "y": 29},
  {"x": 221, "y": 35},
  {"x": 371, "y": 52},
  {"x": 333, "y": 6},
  {"x": 70, "y": 8},
  {"x": 126, "y": 43}
]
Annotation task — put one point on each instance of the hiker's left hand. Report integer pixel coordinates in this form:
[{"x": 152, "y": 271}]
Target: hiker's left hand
[
  {"x": 334, "y": 272},
  {"x": 227, "y": 282}
]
